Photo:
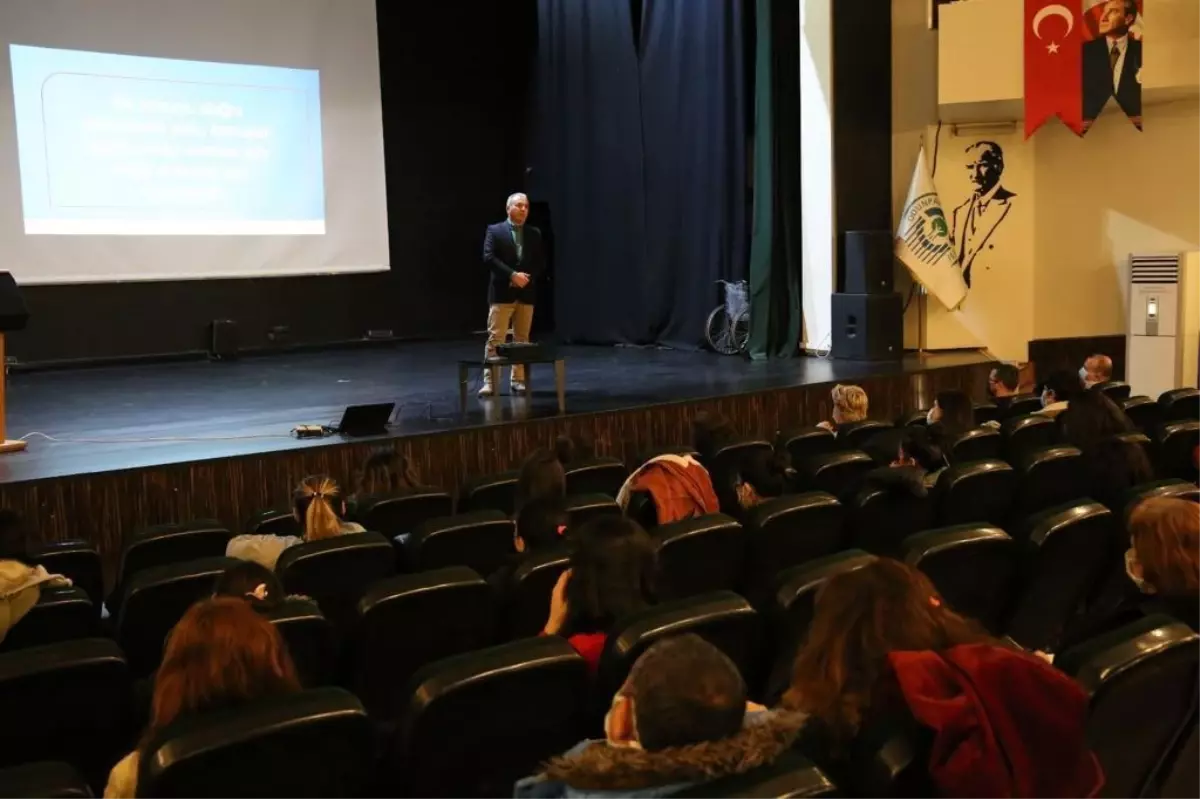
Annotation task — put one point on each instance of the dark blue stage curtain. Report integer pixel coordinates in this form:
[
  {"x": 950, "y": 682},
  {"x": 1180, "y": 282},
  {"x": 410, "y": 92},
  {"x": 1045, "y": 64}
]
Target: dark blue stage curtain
[{"x": 641, "y": 156}]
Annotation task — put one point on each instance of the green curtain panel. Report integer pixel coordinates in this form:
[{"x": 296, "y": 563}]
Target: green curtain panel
[{"x": 775, "y": 236}]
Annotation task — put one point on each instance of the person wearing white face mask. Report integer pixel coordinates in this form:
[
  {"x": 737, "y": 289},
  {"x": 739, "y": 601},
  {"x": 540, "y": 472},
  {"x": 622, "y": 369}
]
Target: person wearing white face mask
[{"x": 681, "y": 718}]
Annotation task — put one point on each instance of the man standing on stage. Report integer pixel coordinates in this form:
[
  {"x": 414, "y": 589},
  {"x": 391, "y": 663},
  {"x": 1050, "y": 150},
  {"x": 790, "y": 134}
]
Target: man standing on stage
[{"x": 512, "y": 251}]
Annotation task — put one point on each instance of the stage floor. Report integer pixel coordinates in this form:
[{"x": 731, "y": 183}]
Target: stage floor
[{"x": 130, "y": 417}]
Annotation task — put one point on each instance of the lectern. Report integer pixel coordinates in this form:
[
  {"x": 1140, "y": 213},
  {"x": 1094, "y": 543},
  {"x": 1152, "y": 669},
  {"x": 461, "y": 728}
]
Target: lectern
[{"x": 13, "y": 316}]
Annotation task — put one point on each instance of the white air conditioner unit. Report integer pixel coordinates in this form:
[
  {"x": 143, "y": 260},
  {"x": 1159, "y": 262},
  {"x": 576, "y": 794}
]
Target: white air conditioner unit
[{"x": 1163, "y": 311}]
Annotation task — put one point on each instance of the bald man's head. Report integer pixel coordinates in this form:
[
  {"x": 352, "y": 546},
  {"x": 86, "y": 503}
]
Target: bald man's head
[{"x": 1096, "y": 369}]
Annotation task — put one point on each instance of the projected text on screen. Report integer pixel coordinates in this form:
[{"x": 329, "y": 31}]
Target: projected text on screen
[{"x": 128, "y": 145}]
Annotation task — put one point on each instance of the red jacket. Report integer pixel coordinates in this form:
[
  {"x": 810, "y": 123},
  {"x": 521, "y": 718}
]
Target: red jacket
[
  {"x": 1005, "y": 723},
  {"x": 680, "y": 486}
]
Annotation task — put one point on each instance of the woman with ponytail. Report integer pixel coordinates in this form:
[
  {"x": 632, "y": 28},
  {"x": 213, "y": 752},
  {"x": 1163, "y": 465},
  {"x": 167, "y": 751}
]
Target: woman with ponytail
[{"x": 318, "y": 505}]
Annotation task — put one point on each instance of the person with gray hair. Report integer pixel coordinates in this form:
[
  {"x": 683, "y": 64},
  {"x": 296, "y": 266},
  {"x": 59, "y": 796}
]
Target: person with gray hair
[{"x": 512, "y": 251}]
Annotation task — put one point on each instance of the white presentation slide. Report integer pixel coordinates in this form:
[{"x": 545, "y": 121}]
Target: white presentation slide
[{"x": 190, "y": 139}]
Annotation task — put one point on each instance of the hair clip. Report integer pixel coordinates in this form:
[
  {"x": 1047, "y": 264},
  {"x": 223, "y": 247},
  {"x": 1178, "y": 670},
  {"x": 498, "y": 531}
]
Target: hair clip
[{"x": 935, "y": 602}]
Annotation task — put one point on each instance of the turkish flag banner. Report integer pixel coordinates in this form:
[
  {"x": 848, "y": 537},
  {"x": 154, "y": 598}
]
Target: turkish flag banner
[{"x": 1053, "y": 64}]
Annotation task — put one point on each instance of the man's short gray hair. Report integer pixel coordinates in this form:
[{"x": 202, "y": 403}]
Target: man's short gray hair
[{"x": 512, "y": 198}]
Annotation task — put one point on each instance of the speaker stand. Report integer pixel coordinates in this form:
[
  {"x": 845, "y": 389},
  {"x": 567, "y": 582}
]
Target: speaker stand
[{"x": 7, "y": 445}]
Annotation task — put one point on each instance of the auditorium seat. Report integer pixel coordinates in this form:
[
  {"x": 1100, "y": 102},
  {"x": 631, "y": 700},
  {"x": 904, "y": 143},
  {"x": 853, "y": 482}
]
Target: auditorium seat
[
  {"x": 1024, "y": 434},
  {"x": 1139, "y": 439},
  {"x": 474, "y": 724},
  {"x": 164, "y": 544},
  {"x": 1048, "y": 477},
  {"x": 808, "y": 441},
  {"x": 1116, "y": 390},
  {"x": 724, "y": 467},
  {"x": 394, "y": 515},
  {"x": 479, "y": 540},
  {"x": 918, "y": 418},
  {"x": 600, "y": 475},
  {"x": 724, "y": 619},
  {"x": 986, "y": 412},
  {"x": 795, "y": 594},
  {"x": 77, "y": 560},
  {"x": 336, "y": 572},
  {"x": 315, "y": 743},
  {"x": 981, "y": 443},
  {"x": 407, "y": 621},
  {"x": 154, "y": 599},
  {"x": 1142, "y": 412},
  {"x": 54, "y": 780},
  {"x": 837, "y": 473},
  {"x": 1023, "y": 405},
  {"x": 526, "y": 596},
  {"x": 1180, "y": 404},
  {"x": 790, "y": 775},
  {"x": 787, "y": 531},
  {"x": 970, "y": 564},
  {"x": 854, "y": 435},
  {"x": 1142, "y": 682},
  {"x": 981, "y": 491},
  {"x": 642, "y": 509},
  {"x": 310, "y": 639},
  {"x": 1170, "y": 487},
  {"x": 583, "y": 507},
  {"x": 890, "y": 757},
  {"x": 1064, "y": 556},
  {"x": 696, "y": 556},
  {"x": 1180, "y": 776},
  {"x": 67, "y": 702},
  {"x": 274, "y": 521},
  {"x": 1174, "y": 447},
  {"x": 490, "y": 492},
  {"x": 882, "y": 517},
  {"x": 60, "y": 614}
]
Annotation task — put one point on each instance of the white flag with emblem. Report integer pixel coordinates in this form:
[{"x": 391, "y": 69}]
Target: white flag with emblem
[{"x": 923, "y": 240}]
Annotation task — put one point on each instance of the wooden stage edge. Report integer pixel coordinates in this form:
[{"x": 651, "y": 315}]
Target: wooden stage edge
[{"x": 104, "y": 507}]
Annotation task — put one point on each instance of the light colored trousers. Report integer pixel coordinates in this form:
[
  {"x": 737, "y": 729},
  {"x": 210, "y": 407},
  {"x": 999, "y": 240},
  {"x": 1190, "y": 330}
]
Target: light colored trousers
[{"x": 500, "y": 316}]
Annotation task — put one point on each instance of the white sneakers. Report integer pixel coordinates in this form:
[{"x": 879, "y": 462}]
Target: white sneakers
[{"x": 487, "y": 391}]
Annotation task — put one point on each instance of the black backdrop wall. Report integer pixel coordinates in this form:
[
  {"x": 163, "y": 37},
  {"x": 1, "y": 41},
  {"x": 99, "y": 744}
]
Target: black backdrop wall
[{"x": 454, "y": 81}]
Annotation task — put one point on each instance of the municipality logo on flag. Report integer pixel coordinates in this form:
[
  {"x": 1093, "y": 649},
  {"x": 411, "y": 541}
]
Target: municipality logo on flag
[
  {"x": 928, "y": 234},
  {"x": 923, "y": 241}
]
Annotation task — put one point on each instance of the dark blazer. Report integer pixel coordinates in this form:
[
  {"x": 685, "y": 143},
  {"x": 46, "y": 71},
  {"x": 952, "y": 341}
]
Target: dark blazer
[
  {"x": 500, "y": 256},
  {"x": 1097, "y": 78}
]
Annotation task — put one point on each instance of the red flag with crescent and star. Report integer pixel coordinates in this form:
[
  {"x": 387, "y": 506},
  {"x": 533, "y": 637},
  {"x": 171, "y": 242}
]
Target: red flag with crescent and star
[{"x": 1053, "y": 64}]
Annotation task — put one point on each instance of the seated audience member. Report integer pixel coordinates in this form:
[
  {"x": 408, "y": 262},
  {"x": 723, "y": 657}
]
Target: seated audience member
[
  {"x": 1096, "y": 369},
  {"x": 540, "y": 525},
  {"x": 1112, "y": 466},
  {"x": 252, "y": 582},
  {"x": 710, "y": 432},
  {"x": 221, "y": 654},
  {"x": 952, "y": 414},
  {"x": 1003, "y": 384},
  {"x": 1057, "y": 392},
  {"x": 385, "y": 473},
  {"x": 762, "y": 475},
  {"x": 318, "y": 505},
  {"x": 20, "y": 583},
  {"x": 679, "y": 719},
  {"x": 611, "y": 575},
  {"x": 849, "y": 405},
  {"x": 883, "y": 645},
  {"x": 574, "y": 449},
  {"x": 917, "y": 465},
  {"x": 542, "y": 479}
]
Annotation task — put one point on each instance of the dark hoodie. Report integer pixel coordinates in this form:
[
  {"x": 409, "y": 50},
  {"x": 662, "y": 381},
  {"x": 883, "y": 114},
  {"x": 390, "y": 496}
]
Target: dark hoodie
[{"x": 594, "y": 768}]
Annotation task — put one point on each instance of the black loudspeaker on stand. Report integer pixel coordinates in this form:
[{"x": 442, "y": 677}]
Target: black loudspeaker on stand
[
  {"x": 870, "y": 263},
  {"x": 868, "y": 327}
]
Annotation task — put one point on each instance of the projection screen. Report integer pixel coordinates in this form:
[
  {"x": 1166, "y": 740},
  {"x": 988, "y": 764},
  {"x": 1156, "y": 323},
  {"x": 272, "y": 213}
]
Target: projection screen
[{"x": 188, "y": 139}]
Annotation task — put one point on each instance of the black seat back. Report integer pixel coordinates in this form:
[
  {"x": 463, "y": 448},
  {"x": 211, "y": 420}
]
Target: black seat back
[
  {"x": 1142, "y": 412},
  {"x": 154, "y": 599},
  {"x": 970, "y": 564},
  {"x": 808, "y": 441},
  {"x": 837, "y": 473},
  {"x": 410, "y": 620},
  {"x": 337, "y": 571},
  {"x": 526, "y": 600},
  {"x": 1048, "y": 477},
  {"x": 274, "y": 521},
  {"x": 583, "y": 507},
  {"x": 787, "y": 531},
  {"x": 311, "y": 640},
  {"x": 724, "y": 619},
  {"x": 76, "y": 560},
  {"x": 490, "y": 492},
  {"x": 795, "y": 594},
  {"x": 601, "y": 475},
  {"x": 642, "y": 509},
  {"x": 1066, "y": 550},
  {"x": 398, "y": 514},
  {"x": 890, "y": 757},
  {"x": 1170, "y": 487},
  {"x": 1116, "y": 390},
  {"x": 986, "y": 412},
  {"x": 1141, "y": 677},
  {"x": 60, "y": 614},
  {"x": 314, "y": 743},
  {"x": 525, "y": 702},
  {"x": 72, "y": 703},
  {"x": 981, "y": 491},
  {"x": 883, "y": 516},
  {"x": 854, "y": 435},
  {"x": 1023, "y": 434},
  {"x": 1179, "y": 404},
  {"x": 1023, "y": 405},
  {"x": 980, "y": 443},
  {"x": 917, "y": 418},
  {"x": 1174, "y": 446},
  {"x": 789, "y": 776},
  {"x": 55, "y": 780},
  {"x": 696, "y": 556},
  {"x": 172, "y": 543},
  {"x": 479, "y": 540}
]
